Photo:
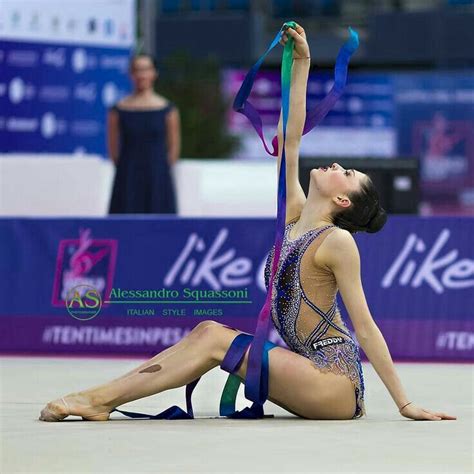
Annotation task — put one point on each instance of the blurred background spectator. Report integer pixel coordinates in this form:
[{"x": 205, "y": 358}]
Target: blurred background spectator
[{"x": 144, "y": 142}]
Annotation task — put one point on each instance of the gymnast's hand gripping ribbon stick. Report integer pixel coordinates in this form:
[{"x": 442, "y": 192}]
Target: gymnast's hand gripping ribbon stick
[{"x": 256, "y": 380}]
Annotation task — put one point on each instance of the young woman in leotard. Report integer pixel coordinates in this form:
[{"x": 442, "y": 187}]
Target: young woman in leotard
[{"x": 320, "y": 375}]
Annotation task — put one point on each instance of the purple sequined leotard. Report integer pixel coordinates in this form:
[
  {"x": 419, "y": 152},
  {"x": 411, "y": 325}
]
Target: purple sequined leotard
[{"x": 305, "y": 311}]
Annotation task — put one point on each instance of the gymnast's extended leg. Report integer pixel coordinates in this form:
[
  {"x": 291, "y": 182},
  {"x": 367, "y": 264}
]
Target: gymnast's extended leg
[
  {"x": 174, "y": 367},
  {"x": 294, "y": 383}
]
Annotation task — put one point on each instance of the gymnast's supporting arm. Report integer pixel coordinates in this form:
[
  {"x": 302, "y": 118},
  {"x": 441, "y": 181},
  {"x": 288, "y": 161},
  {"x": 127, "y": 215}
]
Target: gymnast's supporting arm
[
  {"x": 340, "y": 252},
  {"x": 345, "y": 263},
  {"x": 295, "y": 196}
]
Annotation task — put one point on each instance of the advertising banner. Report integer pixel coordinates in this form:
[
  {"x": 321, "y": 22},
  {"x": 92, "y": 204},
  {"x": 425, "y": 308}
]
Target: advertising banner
[
  {"x": 138, "y": 285},
  {"x": 360, "y": 124},
  {"x": 435, "y": 122},
  {"x": 425, "y": 115},
  {"x": 62, "y": 64}
]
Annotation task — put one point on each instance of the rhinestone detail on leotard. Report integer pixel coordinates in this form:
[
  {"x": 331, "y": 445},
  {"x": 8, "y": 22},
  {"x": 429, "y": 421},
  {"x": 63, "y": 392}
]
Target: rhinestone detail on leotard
[{"x": 287, "y": 297}]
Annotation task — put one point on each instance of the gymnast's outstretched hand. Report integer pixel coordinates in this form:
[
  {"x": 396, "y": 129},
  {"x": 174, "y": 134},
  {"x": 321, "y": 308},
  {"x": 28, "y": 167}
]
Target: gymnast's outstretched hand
[
  {"x": 417, "y": 413},
  {"x": 301, "y": 48}
]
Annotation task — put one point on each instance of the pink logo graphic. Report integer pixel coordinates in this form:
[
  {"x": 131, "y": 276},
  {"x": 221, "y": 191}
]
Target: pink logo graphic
[{"x": 84, "y": 262}]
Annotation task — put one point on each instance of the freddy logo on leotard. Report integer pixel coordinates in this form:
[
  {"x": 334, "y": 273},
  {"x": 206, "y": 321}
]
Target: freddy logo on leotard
[
  {"x": 329, "y": 341},
  {"x": 84, "y": 264}
]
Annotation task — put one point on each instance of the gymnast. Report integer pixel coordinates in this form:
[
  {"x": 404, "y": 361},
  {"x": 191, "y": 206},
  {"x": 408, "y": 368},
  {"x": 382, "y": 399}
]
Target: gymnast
[{"x": 319, "y": 376}]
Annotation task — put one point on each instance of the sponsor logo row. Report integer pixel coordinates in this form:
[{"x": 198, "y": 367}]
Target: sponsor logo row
[
  {"x": 79, "y": 61},
  {"x": 18, "y": 90}
]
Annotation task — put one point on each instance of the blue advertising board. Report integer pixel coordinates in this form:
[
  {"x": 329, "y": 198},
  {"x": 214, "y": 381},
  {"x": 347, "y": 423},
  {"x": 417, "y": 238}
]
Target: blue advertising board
[
  {"x": 435, "y": 122},
  {"x": 60, "y": 69},
  {"x": 145, "y": 275}
]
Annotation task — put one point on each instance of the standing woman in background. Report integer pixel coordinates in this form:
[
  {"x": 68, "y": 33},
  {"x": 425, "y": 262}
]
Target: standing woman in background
[{"x": 144, "y": 141}]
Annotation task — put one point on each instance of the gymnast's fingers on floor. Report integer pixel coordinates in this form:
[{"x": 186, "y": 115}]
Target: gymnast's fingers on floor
[{"x": 444, "y": 416}]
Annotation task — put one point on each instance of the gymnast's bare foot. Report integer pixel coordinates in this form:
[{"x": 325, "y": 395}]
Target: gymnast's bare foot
[{"x": 74, "y": 404}]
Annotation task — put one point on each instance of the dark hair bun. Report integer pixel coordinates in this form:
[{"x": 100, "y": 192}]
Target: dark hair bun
[
  {"x": 377, "y": 222},
  {"x": 365, "y": 214}
]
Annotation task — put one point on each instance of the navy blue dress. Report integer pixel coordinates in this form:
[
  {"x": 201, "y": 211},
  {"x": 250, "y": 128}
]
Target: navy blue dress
[{"x": 143, "y": 182}]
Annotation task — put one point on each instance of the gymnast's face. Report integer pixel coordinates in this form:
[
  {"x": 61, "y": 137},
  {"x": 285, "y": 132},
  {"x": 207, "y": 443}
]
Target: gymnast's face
[
  {"x": 336, "y": 182},
  {"x": 143, "y": 73}
]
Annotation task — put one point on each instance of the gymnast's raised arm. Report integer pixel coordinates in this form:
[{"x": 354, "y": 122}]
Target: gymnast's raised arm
[{"x": 295, "y": 196}]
